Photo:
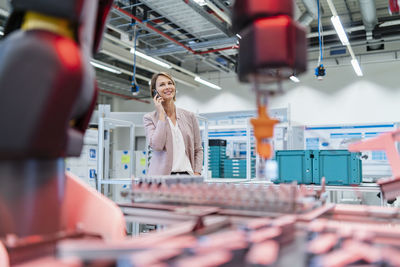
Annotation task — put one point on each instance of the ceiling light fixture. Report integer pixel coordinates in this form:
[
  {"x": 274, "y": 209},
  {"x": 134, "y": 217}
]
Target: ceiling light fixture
[
  {"x": 356, "y": 67},
  {"x": 200, "y": 2},
  {"x": 343, "y": 37},
  {"x": 200, "y": 80},
  {"x": 238, "y": 36},
  {"x": 390, "y": 23},
  {"x": 340, "y": 30},
  {"x": 294, "y": 79},
  {"x": 1, "y": 33},
  {"x": 104, "y": 67},
  {"x": 152, "y": 59}
]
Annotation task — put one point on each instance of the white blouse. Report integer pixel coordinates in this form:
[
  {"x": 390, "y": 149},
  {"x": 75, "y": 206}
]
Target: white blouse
[{"x": 180, "y": 161}]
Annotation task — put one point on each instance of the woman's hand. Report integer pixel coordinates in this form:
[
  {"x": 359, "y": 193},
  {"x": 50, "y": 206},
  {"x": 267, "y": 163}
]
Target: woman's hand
[
  {"x": 197, "y": 173},
  {"x": 158, "y": 104}
]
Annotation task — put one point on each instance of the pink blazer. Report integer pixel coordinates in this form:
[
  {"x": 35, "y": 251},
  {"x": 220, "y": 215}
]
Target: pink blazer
[{"x": 159, "y": 137}]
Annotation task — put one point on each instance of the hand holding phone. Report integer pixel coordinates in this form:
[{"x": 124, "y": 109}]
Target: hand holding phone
[
  {"x": 156, "y": 94},
  {"x": 158, "y": 102}
]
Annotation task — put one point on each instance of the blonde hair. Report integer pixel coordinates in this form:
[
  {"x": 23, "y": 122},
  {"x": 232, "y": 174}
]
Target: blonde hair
[{"x": 154, "y": 80}]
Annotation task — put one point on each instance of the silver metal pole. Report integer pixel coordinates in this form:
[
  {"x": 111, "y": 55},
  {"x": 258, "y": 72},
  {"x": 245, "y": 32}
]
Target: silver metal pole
[
  {"x": 205, "y": 141},
  {"x": 132, "y": 148},
  {"x": 100, "y": 160},
  {"x": 248, "y": 151},
  {"x": 106, "y": 174}
]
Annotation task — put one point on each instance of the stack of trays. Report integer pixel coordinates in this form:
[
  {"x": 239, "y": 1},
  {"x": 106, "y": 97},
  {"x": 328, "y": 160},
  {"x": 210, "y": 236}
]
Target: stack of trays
[
  {"x": 216, "y": 157},
  {"x": 236, "y": 168}
]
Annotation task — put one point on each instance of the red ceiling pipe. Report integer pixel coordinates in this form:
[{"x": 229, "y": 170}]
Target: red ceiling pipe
[
  {"x": 124, "y": 96},
  {"x": 169, "y": 37},
  {"x": 153, "y": 28}
]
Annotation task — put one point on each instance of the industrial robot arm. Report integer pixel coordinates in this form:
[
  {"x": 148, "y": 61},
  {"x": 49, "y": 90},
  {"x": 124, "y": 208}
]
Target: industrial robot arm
[
  {"x": 47, "y": 95},
  {"x": 273, "y": 47}
]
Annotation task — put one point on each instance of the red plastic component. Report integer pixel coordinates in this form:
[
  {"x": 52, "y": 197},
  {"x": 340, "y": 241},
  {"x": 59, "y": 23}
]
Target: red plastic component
[
  {"x": 394, "y": 6},
  {"x": 272, "y": 47},
  {"x": 246, "y": 11},
  {"x": 68, "y": 53}
]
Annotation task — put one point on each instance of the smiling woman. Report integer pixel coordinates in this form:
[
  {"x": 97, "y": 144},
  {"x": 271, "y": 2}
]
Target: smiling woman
[{"x": 171, "y": 132}]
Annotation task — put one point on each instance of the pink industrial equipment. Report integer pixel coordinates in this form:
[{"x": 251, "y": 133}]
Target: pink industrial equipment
[
  {"x": 387, "y": 142},
  {"x": 41, "y": 205}
]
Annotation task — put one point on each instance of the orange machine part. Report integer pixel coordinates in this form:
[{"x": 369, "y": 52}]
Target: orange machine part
[{"x": 263, "y": 130}]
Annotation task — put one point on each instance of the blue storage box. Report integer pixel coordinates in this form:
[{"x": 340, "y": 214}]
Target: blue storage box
[
  {"x": 294, "y": 165},
  {"x": 339, "y": 167}
]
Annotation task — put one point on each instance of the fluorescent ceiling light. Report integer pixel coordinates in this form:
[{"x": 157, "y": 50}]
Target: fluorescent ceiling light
[
  {"x": 340, "y": 30},
  {"x": 238, "y": 36},
  {"x": 200, "y": 2},
  {"x": 104, "y": 67},
  {"x": 294, "y": 79},
  {"x": 1, "y": 33},
  {"x": 200, "y": 80},
  {"x": 390, "y": 23},
  {"x": 152, "y": 59},
  {"x": 356, "y": 67}
]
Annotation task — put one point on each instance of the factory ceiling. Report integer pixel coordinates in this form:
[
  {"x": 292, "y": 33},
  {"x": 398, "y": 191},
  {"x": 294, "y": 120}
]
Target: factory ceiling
[{"x": 190, "y": 38}]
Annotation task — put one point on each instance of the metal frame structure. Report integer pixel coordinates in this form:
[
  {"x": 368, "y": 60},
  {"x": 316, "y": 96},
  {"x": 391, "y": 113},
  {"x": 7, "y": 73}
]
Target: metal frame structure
[
  {"x": 182, "y": 26},
  {"x": 106, "y": 121},
  {"x": 248, "y": 150},
  {"x": 103, "y": 163},
  {"x": 362, "y": 188},
  {"x": 205, "y": 142},
  {"x": 247, "y": 127}
]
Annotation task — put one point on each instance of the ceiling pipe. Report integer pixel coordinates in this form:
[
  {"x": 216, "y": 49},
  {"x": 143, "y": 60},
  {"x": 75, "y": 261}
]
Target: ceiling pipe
[
  {"x": 210, "y": 18},
  {"x": 163, "y": 34},
  {"x": 123, "y": 55},
  {"x": 218, "y": 49},
  {"x": 333, "y": 32},
  {"x": 153, "y": 28},
  {"x": 110, "y": 50},
  {"x": 123, "y": 96},
  {"x": 129, "y": 44},
  {"x": 311, "y": 12},
  {"x": 227, "y": 42},
  {"x": 219, "y": 12}
]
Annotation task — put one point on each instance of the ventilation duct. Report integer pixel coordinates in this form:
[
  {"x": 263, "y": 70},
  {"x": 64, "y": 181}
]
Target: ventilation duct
[{"x": 311, "y": 12}]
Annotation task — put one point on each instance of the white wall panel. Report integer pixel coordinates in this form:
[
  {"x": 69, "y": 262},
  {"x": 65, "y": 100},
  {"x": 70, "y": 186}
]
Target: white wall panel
[{"x": 340, "y": 98}]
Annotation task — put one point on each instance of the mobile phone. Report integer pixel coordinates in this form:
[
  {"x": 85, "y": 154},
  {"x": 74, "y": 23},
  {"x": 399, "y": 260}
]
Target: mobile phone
[{"x": 155, "y": 93}]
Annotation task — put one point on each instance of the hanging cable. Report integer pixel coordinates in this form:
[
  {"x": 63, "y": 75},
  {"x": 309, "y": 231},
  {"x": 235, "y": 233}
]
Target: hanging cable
[
  {"x": 320, "y": 70},
  {"x": 320, "y": 58},
  {"x": 134, "y": 86}
]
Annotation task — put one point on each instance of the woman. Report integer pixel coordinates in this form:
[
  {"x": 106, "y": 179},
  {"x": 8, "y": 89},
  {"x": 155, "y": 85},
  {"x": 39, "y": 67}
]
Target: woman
[{"x": 172, "y": 133}]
